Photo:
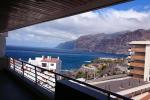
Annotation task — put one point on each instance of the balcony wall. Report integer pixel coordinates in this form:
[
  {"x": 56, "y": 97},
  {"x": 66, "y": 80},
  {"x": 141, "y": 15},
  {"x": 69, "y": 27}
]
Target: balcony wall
[
  {"x": 138, "y": 76},
  {"x": 137, "y": 57},
  {"x": 138, "y": 49},
  {"x": 136, "y": 64},
  {"x": 74, "y": 91},
  {"x": 136, "y": 72}
]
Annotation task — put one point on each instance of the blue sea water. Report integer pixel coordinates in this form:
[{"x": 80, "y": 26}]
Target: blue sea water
[{"x": 70, "y": 59}]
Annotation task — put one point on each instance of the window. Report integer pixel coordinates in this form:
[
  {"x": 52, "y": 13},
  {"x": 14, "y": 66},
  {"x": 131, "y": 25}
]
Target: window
[
  {"x": 44, "y": 65},
  {"x": 52, "y": 64}
]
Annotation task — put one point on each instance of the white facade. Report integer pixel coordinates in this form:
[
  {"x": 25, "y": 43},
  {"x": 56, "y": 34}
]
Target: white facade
[
  {"x": 52, "y": 64},
  {"x": 147, "y": 63},
  {"x": 45, "y": 78}
]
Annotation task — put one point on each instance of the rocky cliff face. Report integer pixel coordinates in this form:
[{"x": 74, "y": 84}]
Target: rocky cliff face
[
  {"x": 111, "y": 43},
  {"x": 67, "y": 45}
]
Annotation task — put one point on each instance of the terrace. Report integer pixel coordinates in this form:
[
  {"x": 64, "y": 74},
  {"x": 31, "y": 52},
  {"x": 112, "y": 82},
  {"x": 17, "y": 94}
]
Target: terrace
[
  {"x": 120, "y": 84},
  {"x": 127, "y": 86},
  {"x": 31, "y": 84}
]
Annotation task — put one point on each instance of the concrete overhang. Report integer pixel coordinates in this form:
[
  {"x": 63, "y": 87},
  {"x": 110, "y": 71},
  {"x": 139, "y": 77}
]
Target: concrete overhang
[
  {"x": 139, "y": 42},
  {"x": 15, "y": 14}
]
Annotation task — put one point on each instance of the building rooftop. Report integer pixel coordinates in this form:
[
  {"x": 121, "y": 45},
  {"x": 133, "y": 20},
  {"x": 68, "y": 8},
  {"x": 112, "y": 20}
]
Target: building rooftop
[
  {"x": 120, "y": 84},
  {"x": 139, "y": 42},
  {"x": 53, "y": 60}
]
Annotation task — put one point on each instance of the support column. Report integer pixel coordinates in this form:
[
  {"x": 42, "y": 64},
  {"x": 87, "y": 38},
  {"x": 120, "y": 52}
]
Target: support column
[
  {"x": 147, "y": 64},
  {"x": 2, "y": 46},
  {"x": 3, "y": 60}
]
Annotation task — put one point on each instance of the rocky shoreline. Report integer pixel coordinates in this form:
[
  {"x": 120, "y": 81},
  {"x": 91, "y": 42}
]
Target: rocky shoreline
[{"x": 100, "y": 68}]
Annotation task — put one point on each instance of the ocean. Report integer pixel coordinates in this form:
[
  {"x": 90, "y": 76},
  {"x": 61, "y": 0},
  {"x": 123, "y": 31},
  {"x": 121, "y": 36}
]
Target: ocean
[{"x": 71, "y": 60}]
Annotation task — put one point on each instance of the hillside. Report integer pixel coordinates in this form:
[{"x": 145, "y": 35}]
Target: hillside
[
  {"x": 67, "y": 45},
  {"x": 111, "y": 43}
]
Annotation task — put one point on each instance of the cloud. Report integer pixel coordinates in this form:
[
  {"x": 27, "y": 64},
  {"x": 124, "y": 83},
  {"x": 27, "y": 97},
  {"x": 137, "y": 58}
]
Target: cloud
[{"x": 70, "y": 28}]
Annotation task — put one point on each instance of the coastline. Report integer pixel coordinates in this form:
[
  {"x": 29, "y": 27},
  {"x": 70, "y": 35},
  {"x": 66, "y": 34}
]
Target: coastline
[{"x": 70, "y": 60}]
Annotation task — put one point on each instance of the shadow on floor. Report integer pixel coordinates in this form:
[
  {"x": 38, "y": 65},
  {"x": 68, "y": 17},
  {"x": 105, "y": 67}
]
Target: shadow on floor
[{"x": 11, "y": 90}]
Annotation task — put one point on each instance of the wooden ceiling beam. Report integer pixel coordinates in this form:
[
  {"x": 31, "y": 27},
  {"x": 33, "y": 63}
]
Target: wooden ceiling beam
[{"x": 30, "y": 12}]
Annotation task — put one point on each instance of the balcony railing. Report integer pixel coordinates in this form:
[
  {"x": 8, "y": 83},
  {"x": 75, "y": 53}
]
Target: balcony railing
[
  {"x": 137, "y": 72},
  {"x": 40, "y": 76},
  {"x": 137, "y": 49},
  {"x": 136, "y": 64},
  {"x": 47, "y": 79},
  {"x": 137, "y": 57}
]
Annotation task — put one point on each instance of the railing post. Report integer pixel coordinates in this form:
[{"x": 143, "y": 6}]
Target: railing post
[
  {"x": 14, "y": 64},
  {"x": 55, "y": 78},
  {"x": 108, "y": 96},
  {"x": 35, "y": 74},
  {"x": 22, "y": 68},
  {"x": 9, "y": 63}
]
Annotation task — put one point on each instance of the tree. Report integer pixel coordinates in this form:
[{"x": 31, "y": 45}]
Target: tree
[{"x": 81, "y": 74}]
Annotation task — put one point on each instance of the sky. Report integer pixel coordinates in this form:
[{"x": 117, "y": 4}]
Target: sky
[{"x": 123, "y": 17}]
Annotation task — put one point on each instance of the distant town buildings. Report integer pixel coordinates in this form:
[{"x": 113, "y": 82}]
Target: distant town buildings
[{"x": 139, "y": 60}]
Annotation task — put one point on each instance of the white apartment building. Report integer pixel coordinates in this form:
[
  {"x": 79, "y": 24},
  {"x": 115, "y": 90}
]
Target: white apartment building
[
  {"x": 45, "y": 78},
  {"x": 140, "y": 59},
  {"x": 49, "y": 63}
]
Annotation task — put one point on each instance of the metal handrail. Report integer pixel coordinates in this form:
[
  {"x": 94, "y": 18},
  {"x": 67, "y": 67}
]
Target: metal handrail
[
  {"x": 32, "y": 74},
  {"x": 109, "y": 93}
]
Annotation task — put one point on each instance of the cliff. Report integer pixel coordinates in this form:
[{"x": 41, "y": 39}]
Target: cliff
[
  {"x": 67, "y": 45},
  {"x": 111, "y": 43}
]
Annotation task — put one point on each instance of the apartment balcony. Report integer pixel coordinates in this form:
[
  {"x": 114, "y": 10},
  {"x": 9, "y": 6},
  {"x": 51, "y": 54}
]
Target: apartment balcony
[
  {"x": 136, "y": 72},
  {"x": 137, "y": 57},
  {"x": 20, "y": 80},
  {"x": 137, "y": 50},
  {"x": 136, "y": 64},
  {"x": 26, "y": 82}
]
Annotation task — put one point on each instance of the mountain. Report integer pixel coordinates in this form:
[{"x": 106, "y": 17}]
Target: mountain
[
  {"x": 110, "y": 43},
  {"x": 66, "y": 45}
]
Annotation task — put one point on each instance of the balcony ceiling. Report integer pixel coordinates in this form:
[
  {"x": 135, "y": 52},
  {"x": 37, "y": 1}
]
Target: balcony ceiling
[{"x": 15, "y": 14}]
